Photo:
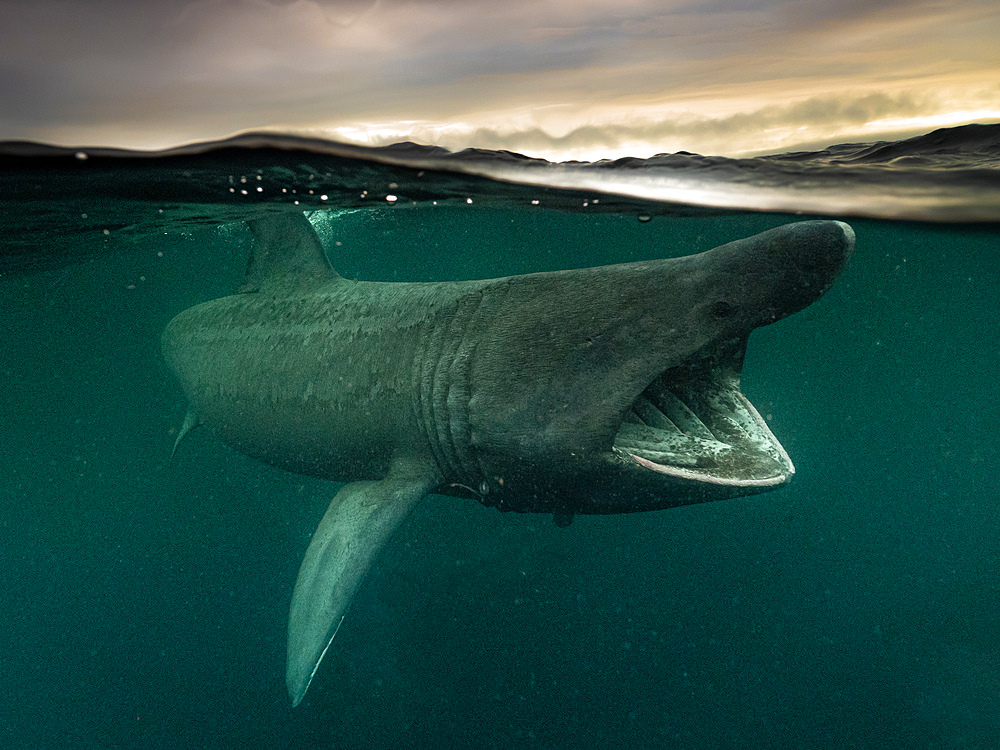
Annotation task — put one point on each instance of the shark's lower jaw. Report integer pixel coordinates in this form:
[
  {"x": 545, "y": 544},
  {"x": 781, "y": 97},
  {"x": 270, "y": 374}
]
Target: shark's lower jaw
[{"x": 693, "y": 423}]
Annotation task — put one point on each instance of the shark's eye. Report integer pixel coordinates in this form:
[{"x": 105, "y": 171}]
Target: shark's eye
[{"x": 722, "y": 309}]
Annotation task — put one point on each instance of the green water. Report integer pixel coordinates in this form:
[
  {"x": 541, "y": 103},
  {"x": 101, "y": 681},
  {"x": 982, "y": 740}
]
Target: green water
[{"x": 145, "y": 601}]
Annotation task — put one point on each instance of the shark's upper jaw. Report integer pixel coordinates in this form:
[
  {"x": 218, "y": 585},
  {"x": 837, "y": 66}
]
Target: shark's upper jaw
[{"x": 693, "y": 423}]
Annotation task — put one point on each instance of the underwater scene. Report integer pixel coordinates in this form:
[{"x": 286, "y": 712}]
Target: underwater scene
[{"x": 525, "y": 554}]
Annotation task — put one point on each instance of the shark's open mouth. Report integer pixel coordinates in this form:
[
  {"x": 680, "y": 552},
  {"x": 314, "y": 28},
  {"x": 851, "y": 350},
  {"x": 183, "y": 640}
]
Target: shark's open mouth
[{"x": 694, "y": 423}]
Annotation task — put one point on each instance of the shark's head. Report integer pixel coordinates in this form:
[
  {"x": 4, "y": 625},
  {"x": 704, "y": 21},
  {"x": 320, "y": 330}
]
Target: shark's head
[{"x": 634, "y": 372}]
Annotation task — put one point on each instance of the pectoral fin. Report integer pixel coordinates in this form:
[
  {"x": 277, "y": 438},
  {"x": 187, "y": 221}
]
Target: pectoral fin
[{"x": 358, "y": 522}]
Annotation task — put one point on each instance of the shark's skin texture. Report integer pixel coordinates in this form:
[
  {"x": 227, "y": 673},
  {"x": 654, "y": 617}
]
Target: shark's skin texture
[{"x": 599, "y": 390}]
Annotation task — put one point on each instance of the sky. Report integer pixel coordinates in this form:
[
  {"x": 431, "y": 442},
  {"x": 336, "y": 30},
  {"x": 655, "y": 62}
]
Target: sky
[{"x": 560, "y": 79}]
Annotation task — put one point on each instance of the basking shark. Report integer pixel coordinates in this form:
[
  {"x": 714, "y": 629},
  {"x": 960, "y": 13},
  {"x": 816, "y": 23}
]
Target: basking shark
[{"x": 596, "y": 390}]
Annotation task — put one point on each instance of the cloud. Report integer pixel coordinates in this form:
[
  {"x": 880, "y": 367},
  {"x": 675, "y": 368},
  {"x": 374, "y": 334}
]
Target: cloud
[
  {"x": 814, "y": 121},
  {"x": 511, "y": 74}
]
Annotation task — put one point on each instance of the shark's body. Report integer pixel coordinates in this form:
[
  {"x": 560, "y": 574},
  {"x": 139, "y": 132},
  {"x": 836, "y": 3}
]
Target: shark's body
[{"x": 600, "y": 390}]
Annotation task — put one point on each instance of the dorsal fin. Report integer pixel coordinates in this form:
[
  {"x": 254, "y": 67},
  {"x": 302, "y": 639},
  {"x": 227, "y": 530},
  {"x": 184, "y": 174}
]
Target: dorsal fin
[{"x": 286, "y": 255}]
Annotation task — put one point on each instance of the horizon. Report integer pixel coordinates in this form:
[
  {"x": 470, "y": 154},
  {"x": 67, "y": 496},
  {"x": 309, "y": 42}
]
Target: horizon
[{"x": 85, "y": 150}]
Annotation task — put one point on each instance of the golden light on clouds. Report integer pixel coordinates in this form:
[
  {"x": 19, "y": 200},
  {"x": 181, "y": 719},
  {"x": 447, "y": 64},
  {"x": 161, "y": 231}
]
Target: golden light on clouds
[
  {"x": 588, "y": 79},
  {"x": 737, "y": 124}
]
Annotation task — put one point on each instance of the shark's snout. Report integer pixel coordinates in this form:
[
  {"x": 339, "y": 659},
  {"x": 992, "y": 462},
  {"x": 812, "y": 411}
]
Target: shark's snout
[
  {"x": 779, "y": 272},
  {"x": 805, "y": 258}
]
